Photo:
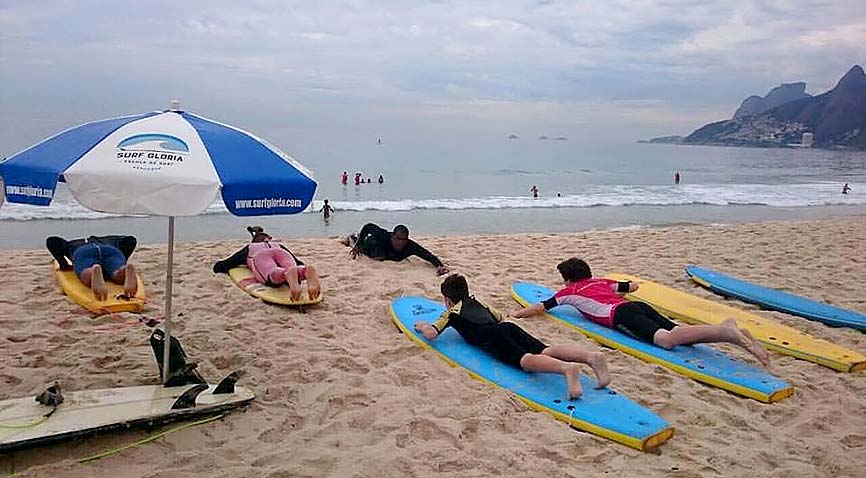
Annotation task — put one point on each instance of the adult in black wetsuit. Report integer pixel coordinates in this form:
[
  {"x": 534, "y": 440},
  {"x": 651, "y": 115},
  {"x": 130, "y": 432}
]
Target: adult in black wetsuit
[
  {"x": 97, "y": 259},
  {"x": 377, "y": 243}
]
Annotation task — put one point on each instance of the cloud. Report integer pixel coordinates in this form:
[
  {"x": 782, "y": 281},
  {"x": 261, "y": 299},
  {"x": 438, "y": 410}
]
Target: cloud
[{"x": 647, "y": 63}]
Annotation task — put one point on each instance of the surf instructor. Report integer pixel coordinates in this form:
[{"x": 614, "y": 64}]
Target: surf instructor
[{"x": 377, "y": 243}]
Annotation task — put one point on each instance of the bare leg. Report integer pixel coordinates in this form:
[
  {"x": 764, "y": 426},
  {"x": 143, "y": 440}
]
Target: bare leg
[
  {"x": 572, "y": 353},
  {"x": 294, "y": 284},
  {"x": 95, "y": 281},
  {"x": 547, "y": 364},
  {"x": 313, "y": 286},
  {"x": 126, "y": 276},
  {"x": 726, "y": 332}
]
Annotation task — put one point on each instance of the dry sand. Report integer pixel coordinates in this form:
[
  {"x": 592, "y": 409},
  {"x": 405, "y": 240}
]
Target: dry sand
[{"x": 342, "y": 393}]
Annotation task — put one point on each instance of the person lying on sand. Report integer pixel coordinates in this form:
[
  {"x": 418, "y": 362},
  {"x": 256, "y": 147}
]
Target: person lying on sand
[
  {"x": 97, "y": 259},
  {"x": 272, "y": 264},
  {"x": 377, "y": 243},
  {"x": 483, "y": 327},
  {"x": 599, "y": 300}
]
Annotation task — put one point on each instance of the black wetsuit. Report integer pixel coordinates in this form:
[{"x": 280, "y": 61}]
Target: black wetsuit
[
  {"x": 62, "y": 250},
  {"x": 375, "y": 242},
  {"x": 483, "y": 327}
]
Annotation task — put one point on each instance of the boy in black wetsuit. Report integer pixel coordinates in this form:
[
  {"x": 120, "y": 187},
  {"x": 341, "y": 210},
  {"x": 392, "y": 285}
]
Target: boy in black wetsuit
[
  {"x": 483, "y": 327},
  {"x": 377, "y": 243}
]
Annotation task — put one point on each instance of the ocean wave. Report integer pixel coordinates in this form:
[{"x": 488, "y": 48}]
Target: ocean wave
[{"x": 776, "y": 195}]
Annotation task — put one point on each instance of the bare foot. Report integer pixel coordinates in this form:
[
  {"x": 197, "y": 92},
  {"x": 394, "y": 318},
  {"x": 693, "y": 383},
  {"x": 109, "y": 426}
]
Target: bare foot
[
  {"x": 598, "y": 362},
  {"x": 294, "y": 292},
  {"x": 313, "y": 287},
  {"x": 97, "y": 284},
  {"x": 755, "y": 348},
  {"x": 572, "y": 377},
  {"x": 744, "y": 339},
  {"x": 130, "y": 282}
]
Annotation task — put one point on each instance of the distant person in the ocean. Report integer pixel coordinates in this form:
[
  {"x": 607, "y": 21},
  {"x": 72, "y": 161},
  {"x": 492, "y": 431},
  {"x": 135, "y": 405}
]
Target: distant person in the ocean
[
  {"x": 369, "y": 180},
  {"x": 326, "y": 210},
  {"x": 558, "y": 195},
  {"x": 377, "y": 243},
  {"x": 379, "y": 140},
  {"x": 97, "y": 259},
  {"x": 534, "y": 191},
  {"x": 677, "y": 177},
  {"x": 272, "y": 264},
  {"x": 845, "y": 188},
  {"x": 345, "y": 178},
  {"x": 600, "y": 301},
  {"x": 357, "y": 179},
  {"x": 485, "y": 328},
  {"x": 381, "y": 179}
]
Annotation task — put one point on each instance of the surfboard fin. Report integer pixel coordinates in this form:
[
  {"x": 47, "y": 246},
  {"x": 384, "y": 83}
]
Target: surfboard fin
[
  {"x": 227, "y": 385},
  {"x": 52, "y": 396},
  {"x": 187, "y": 398}
]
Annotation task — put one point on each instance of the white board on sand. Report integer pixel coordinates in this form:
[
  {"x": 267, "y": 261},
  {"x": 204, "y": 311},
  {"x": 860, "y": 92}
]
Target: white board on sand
[{"x": 23, "y": 423}]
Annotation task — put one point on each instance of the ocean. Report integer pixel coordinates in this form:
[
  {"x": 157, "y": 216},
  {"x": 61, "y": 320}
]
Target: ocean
[{"x": 445, "y": 190}]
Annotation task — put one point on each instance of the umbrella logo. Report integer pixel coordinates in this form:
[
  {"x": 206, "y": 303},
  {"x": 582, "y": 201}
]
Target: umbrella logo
[{"x": 151, "y": 151}]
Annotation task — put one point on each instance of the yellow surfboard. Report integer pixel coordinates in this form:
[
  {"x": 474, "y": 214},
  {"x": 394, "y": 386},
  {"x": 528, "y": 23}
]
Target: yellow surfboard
[
  {"x": 775, "y": 336},
  {"x": 83, "y": 296},
  {"x": 245, "y": 279}
]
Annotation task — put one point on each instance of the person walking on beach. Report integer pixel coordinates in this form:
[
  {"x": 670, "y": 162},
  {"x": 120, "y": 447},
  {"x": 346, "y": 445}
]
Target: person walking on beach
[
  {"x": 377, "y": 243},
  {"x": 345, "y": 178},
  {"x": 484, "y": 327},
  {"x": 677, "y": 177},
  {"x": 599, "y": 300},
  {"x": 96, "y": 259},
  {"x": 845, "y": 188},
  {"x": 326, "y": 210},
  {"x": 534, "y": 191}
]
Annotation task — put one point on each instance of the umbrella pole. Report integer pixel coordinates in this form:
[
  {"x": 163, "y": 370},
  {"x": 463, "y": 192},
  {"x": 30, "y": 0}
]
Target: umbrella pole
[{"x": 166, "y": 344}]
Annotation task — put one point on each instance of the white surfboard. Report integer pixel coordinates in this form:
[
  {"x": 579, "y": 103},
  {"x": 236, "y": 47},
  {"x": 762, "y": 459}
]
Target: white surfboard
[{"x": 23, "y": 421}]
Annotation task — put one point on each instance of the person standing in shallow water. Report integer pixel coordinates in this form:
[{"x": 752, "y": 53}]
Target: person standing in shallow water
[
  {"x": 677, "y": 177},
  {"x": 845, "y": 188},
  {"x": 326, "y": 210},
  {"x": 381, "y": 179},
  {"x": 534, "y": 191},
  {"x": 345, "y": 178}
]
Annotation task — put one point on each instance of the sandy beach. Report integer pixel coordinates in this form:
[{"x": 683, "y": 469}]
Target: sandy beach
[{"x": 341, "y": 392}]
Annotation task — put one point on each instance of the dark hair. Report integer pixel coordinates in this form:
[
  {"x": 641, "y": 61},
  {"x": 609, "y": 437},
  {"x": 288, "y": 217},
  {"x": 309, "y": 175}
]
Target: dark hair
[
  {"x": 455, "y": 288},
  {"x": 574, "y": 269},
  {"x": 258, "y": 233},
  {"x": 401, "y": 228}
]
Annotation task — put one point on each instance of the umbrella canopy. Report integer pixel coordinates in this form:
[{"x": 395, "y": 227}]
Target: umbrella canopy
[{"x": 167, "y": 163}]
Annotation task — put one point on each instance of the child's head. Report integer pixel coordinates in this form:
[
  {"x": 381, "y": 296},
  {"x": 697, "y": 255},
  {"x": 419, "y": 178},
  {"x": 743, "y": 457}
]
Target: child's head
[
  {"x": 258, "y": 233},
  {"x": 455, "y": 288},
  {"x": 574, "y": 269},
  {"x": 326, "y": 201}
]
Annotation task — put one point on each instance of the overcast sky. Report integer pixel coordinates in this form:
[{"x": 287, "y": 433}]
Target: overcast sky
[{"x": 304, "y": 74}]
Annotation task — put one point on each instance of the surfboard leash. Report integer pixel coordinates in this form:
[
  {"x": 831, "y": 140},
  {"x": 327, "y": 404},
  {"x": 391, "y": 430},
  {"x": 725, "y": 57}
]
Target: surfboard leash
[{"x": 149, "y": 439}]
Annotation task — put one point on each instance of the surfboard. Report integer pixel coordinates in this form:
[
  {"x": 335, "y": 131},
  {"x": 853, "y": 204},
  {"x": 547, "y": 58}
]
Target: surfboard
[
  {"x": 244, "y": 278},
  {"x": 699, "y": 362},
  {"x": 602, "y": 412},
  {"x": 777, "y": 300},
  {"x": 23, "y": 423},
  {"x": 779, "y": 338},
  {"x": 83, "y": 296}
]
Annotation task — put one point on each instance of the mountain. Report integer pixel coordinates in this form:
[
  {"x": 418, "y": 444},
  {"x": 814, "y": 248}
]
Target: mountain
[
  {"x": 784, "y": 93},
  {"x": 836, "y": 118}
]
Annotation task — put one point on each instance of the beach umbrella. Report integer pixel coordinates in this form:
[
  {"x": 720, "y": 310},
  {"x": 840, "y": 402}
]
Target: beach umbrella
[{"x": 167, "y": 163}]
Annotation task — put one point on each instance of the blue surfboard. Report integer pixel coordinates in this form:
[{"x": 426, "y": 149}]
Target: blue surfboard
[
  {"x": 602, "y": 412},
  {"x": 772, "y": 299},
  {"x": 699, "y": 362}
]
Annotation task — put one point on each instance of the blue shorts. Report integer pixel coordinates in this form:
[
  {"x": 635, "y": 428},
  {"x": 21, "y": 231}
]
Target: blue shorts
[{"x": 88, "y": 255}]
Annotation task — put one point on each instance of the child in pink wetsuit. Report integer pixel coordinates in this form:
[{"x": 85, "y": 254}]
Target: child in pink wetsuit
[{"x": 272, "y": 264}]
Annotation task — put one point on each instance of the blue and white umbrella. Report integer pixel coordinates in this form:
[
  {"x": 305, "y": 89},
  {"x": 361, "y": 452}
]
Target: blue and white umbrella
[{"x": 167, "y": 163}]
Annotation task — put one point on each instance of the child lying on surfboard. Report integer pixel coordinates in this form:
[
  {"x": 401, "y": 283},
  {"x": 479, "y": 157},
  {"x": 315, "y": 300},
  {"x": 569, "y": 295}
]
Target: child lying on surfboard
[
  {"x": 600, "y": 301},
  {"x": 483, "y": 327},
  {"x": 272, "y": 264}
]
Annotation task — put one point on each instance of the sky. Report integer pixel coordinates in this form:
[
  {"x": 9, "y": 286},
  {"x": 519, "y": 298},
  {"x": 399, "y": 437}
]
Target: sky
[{"x": 323, "y": 76}]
